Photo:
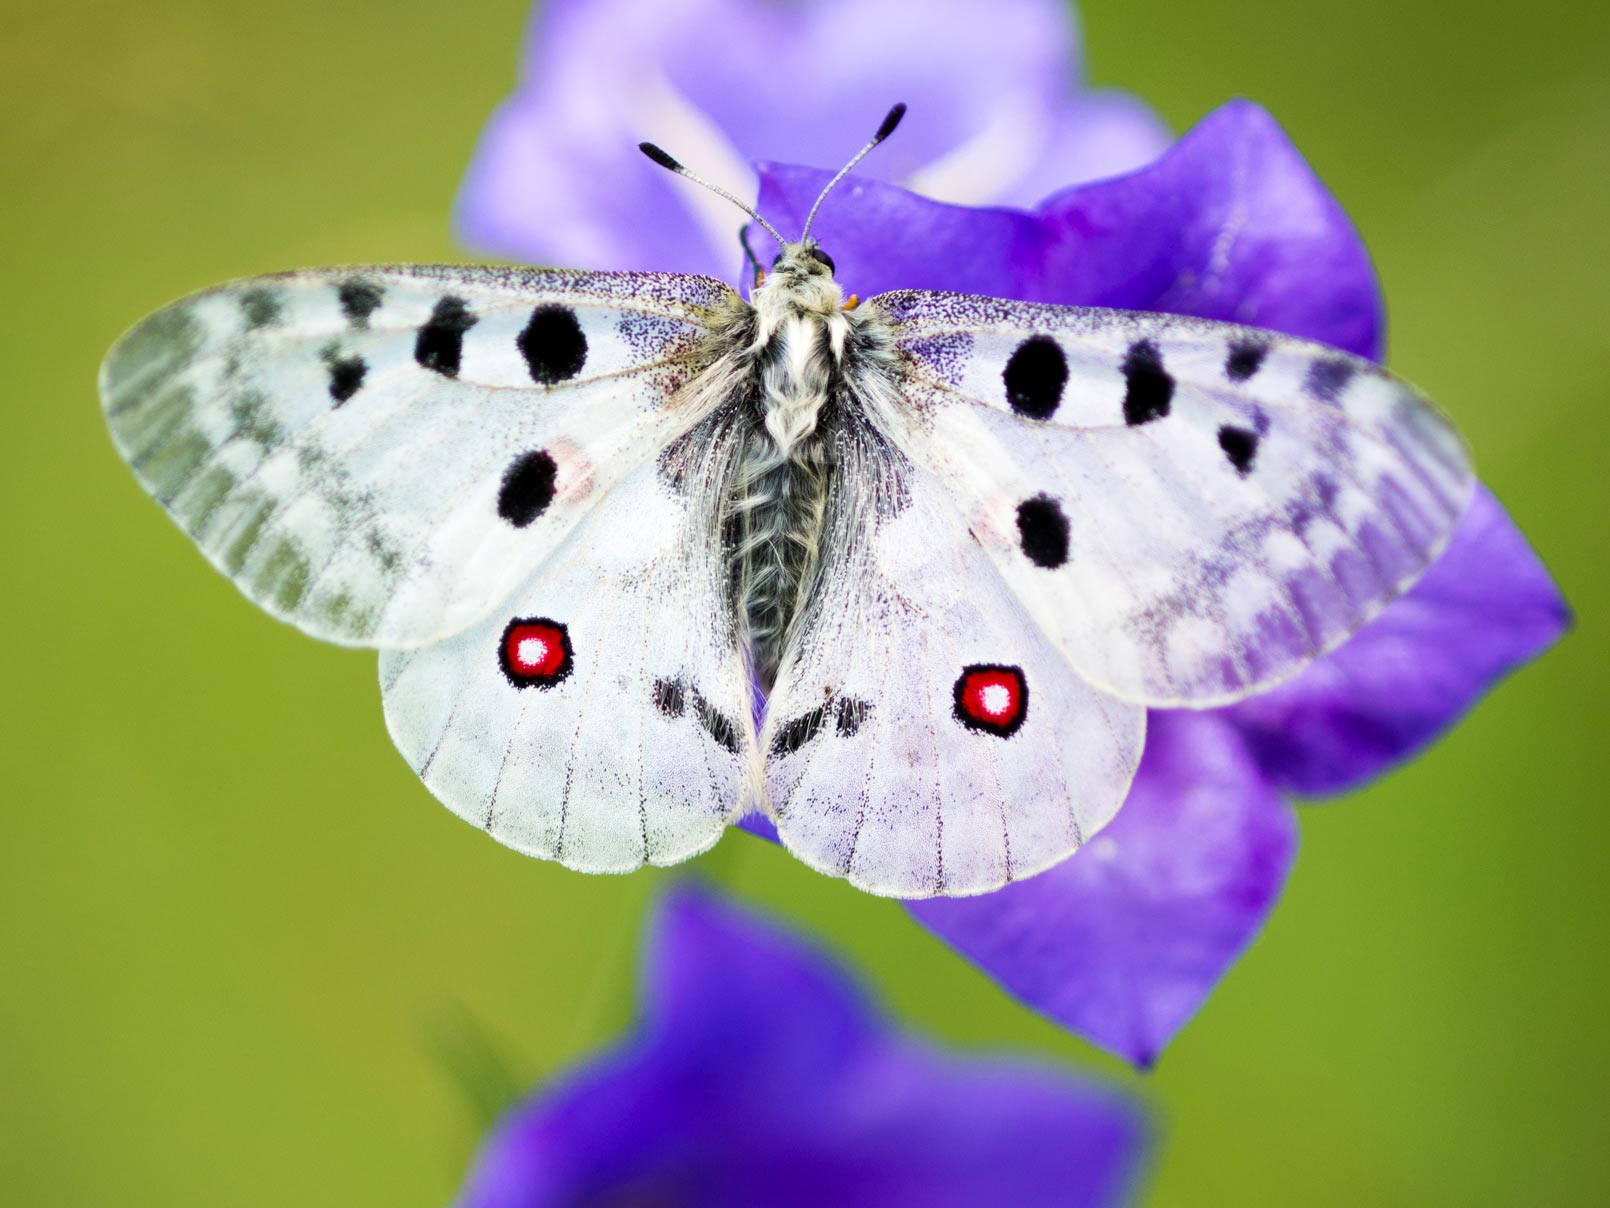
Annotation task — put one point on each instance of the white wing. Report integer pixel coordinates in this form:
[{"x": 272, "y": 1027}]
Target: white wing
[
  {"x": 1191, "y": 510},
  {"x": 923, "y": 736},
  {"x": 381, "y": 455},
  {"x": 603, "y": 717}
]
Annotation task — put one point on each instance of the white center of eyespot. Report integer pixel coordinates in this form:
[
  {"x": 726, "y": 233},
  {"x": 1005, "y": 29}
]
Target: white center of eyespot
[
  {"x": 533, "y": 650},
  {"x": 996, "y": 698}
]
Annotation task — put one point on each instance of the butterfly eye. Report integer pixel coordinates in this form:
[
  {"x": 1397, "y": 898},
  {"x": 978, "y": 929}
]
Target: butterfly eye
[
  {"x": 825, "y": 259},
  {"x": 776, "y": 260}
]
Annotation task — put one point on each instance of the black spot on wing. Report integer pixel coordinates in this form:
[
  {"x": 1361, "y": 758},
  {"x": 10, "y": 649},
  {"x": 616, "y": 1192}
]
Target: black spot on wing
[
  {"x": 1042, "y": 531},
  {"x": 717, "y": 726},
  {"x": 440, "y": 344},
  {"x": 1148, "y": 387},
  {"x": 553, "y": 345},
  {"x": 849, "y": 714},
  {"x": 1245, "y": 359},
  {"x": 669, "y": 698},
  {"x": 359, "y": 299},
  {"x": 528, "y": 486},
  {"x": 1240, "y": 445},
  {"x": 795, "y": 734},
  {"x": 260, "y": 307},
  {"x": 1035, "y": 376},
  {"x": 346, "y": 375},
  {"x": 1327, "y": 379}
]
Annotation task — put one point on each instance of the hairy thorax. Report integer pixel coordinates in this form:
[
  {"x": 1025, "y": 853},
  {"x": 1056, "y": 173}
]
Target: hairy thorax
[{"x": 778, "y": 492}]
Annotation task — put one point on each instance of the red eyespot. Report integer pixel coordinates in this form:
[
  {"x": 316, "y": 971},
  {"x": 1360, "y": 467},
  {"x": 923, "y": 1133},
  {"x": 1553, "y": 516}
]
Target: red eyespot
[
  {"x": 992, "y": 698},
  {"x": 535, "y": 652}
]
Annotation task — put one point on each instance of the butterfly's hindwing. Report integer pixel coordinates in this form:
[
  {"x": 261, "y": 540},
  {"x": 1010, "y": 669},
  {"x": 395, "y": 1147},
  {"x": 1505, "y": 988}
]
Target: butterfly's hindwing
[
  {"x": 602, "y": 716},
  {"x": 1191, "y": 510},
  {"x": 373, "y": 454},
  {"x": 924, "y": 737}
]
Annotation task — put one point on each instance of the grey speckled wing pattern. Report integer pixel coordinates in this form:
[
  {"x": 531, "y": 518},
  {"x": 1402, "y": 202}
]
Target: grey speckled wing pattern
[
  {"x": 924, "y": 736},
  {"x": 602, "y": 716},
  {"x": 1192, "y": 511},
  {"x": 380, "y": 455}
]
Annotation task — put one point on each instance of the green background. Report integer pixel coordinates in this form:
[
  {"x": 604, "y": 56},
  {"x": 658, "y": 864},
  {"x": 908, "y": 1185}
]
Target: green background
[{"x": 238, "y": 933}]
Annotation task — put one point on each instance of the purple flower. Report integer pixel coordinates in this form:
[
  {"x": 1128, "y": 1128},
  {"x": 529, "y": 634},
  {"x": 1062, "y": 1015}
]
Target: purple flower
[
  {"x": 759, "y": 1075},
  {"x": 1123, "y": 941},
  {"x": 997, "y": 115}
]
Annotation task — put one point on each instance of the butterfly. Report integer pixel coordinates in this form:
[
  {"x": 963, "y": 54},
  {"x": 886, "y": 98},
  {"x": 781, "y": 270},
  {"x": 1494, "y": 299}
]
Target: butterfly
[{"x": 642, "y": 556}]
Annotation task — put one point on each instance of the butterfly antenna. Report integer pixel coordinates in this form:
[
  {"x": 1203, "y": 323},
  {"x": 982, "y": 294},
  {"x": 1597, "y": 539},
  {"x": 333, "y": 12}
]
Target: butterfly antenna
[
  {"x": 665, "y": 161},
  {"x": 749, "y": 253},
  {"x": 890, "y": 121}
]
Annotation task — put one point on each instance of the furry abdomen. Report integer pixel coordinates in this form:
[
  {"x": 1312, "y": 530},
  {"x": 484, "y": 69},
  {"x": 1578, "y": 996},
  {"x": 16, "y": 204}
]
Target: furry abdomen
[{"x": 777, "y": 498}]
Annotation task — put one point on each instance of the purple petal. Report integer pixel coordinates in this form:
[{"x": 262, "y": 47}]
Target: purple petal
[
  {"x": 548, "y": 194},
  {"x": 882, "y": 237},
  {"x": 1100, "y": 134},
  {"x": 558, "y": 178},
  {"x": 995, "y": 114},
  {"x": 719, "y": 979},
  {"x": 947, "y": 1131},
  {"x": 811, "y": 80},
  {"x": 1485, "y": 607},
  {"x": 760, "y": 1077},
  {"x": 760, "y": 826},
  {"x": 1230, "y": 224},
  {"x": 1123, "y": 941}
]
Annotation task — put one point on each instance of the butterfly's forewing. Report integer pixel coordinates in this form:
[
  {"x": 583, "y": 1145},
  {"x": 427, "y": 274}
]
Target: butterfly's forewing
[
  {"x": 924, "y": 736},
  {"x": 602, "y": 716},
  {"x": 1191, "y": 510},
  {"x": 381, "y": 455}
]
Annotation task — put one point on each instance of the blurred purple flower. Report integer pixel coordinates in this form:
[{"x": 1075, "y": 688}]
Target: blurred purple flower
[
  {"x": 759, "y": 1075},
  {"x": 997, "y": 115},
  {"x": 1125, "y": 940}
]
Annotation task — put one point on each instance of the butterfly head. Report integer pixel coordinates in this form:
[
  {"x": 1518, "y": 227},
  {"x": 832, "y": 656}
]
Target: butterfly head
[
  {"x": 802, "y": 261},
  {"x": 801, "y": 278}
]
